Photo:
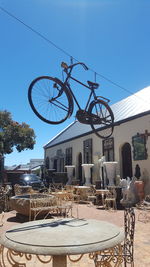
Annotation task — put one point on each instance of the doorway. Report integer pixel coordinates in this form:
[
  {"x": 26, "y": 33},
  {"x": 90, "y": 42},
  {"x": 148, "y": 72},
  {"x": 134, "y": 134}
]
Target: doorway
[{"x": 126, "y": 161}]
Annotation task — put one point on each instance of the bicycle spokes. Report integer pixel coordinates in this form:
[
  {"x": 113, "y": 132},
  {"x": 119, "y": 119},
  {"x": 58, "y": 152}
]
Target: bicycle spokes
[
  {"x": 50, "y": 100},
  {"x": 101, "y": 118}
]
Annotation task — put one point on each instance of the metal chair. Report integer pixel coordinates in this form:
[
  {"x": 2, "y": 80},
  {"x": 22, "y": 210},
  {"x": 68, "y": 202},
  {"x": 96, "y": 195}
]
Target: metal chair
[
  {"x": 91, "y": 196},
  {"x": 42, "y": 207},
  {"x": 120, "y": 254},
  {"x": 144, "y": 207},
  {"x": 2, "y": 218},
  {"x": 110, "y": 200}
]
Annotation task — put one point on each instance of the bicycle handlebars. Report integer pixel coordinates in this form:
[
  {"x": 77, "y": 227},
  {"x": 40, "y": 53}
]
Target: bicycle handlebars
[{"x": 65, "y": 66}]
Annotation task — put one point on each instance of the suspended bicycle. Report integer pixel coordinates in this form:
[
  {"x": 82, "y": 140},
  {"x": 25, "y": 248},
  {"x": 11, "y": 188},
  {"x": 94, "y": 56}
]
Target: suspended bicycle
[{"x": 53, "y": 102}]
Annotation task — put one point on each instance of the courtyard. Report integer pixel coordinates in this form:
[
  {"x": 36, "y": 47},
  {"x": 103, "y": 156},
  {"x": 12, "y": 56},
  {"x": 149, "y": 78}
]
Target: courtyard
[{"x": 141, "y": 238}]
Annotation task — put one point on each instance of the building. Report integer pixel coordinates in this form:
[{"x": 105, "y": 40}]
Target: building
[
  {"x": 129, "y": 144},
  {"x": 14, "y": 171}
]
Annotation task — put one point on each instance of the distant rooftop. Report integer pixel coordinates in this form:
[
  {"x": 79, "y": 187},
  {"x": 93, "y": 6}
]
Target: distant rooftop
[
  {"x": 25, "y": 167},
  {"x": 126, "y": 109}
]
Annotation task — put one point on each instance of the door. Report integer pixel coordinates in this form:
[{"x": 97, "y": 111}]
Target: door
[{"x": 126, "y": 161}]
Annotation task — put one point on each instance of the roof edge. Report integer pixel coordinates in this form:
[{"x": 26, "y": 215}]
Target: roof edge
[{"x": 115, "y": 124}]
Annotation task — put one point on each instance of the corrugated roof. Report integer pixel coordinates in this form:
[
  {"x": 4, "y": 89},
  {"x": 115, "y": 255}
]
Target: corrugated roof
[{"x": 127, "y": 108}]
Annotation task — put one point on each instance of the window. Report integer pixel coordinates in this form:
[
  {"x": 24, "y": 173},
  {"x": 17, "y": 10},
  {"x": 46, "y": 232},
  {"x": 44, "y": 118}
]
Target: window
[
  {"x": 87, "y": 151},
  {"x": 108, "y": 149},
  {"x": 68, "y": 160},
  {"x": 139, "y": 147}
]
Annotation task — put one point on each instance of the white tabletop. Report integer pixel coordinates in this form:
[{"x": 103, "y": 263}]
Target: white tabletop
[{"x": 66, "y": 236}]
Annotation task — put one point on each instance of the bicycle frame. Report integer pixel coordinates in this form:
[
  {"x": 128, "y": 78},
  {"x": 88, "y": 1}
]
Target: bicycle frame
[{"x": 66, "y": 83}]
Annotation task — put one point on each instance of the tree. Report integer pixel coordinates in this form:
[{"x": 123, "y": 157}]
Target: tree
[{"x": 14, "y": 134}]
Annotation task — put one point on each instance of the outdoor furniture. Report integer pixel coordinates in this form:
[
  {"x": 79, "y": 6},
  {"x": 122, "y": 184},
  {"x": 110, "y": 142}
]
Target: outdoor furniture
[
  {"x": 107, "y": 257},
  {"x": 21, "y": 203},
  {"x": 91, "y": 197},
  {"x": 58, "y": 238},
  {"x": 2, "y": 218},
  {"x": 144, "y": 207},
  {"x": 110, "y": 200},
  {"x": 82, "y": 191},
  {"x": 42, "y": 207},
  {"x": 118, "y": 190},
  {"x": 4, "y": 199},
  {"x": 102, "y": 193},
  {"x": 129, "y": 229},
  {"x": 22, "y": 189},
  {"x": 53, "y": 187}
]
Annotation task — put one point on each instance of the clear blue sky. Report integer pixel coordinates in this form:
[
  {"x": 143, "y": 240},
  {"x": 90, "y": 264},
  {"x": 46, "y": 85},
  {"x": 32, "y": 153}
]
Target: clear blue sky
[{"x": 111, "y": 36}]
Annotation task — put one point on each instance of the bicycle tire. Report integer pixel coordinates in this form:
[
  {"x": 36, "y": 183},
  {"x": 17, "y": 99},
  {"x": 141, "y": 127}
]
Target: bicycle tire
[
  {"x": 50, "y": 99},
  {"x": 103, "y": 123}
]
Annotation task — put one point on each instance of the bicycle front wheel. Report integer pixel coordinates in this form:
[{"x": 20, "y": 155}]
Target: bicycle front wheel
[
  {"x": 50, "y": 99},
  {"x": 101, "y": 118}
]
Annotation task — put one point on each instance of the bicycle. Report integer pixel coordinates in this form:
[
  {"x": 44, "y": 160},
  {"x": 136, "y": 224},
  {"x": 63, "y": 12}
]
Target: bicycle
[{"x": 53, "y": 102}]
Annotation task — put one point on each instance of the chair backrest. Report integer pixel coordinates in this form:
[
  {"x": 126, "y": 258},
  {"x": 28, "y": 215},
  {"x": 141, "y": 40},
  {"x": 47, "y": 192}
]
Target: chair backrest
[
  {"x": 17, "y": 189},
  {"x": 111, "y": 194},
  {"x": 129, "y": 228}
]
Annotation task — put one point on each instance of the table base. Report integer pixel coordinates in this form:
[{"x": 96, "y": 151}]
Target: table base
[{"x": 112, "y": 257}]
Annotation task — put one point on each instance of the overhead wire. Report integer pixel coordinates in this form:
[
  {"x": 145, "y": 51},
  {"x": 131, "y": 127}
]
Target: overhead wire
[{"x": 64, "y": 51}]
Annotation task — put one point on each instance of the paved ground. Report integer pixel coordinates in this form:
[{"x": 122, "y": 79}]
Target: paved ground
[{"x": 141, "y": 244}]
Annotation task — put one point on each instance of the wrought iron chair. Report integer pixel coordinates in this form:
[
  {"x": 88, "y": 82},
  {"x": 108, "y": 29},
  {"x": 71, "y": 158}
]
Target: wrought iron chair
[
  {"x": 42, "y": 207},
  {"x": 4, "y": 199},
  {"x": 120, "y": 254},
  {"x": 144, "y": 207},
  {"x": 110, "y": 200},
  {"x": 17, "y": 190},
  {"x": 2, "y": 218},
  {"x": 91, "y": 196}
]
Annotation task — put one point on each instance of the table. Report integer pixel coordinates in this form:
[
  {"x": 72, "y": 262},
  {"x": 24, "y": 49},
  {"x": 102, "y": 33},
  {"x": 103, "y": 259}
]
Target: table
[
  {"x": 61, "y": 194},
  {"x": 82, "y": 190},
  {"x": 62, "y": 237}
]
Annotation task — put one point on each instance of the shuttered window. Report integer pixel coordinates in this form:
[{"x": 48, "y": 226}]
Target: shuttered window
[
  {"x": 87, "y": 151},
  {"x": 108, "y": 149},
  {"x": 68, "y": 160}
]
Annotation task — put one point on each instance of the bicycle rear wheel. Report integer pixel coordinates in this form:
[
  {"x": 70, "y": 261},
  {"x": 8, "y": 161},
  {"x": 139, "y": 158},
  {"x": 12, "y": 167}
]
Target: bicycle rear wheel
[
  {"x": 101, "y": 118},
  {"x": 50, "y": 99}
]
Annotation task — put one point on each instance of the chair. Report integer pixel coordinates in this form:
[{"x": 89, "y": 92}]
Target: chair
[
  {"x": 91, "y": 196},
  {"x": 17, "y": 190},
  {"x": 2, "y": 219},
  {"x": 129, "y": 228},
  {"x": 110, "y": 200},
  {"x": 120, "y": 254},
  {"x": 144, "y": 207},
  {"x": 65, "y": 207},
  {"x": 4, "y": 199},
  {"x": 42, "y": 207}
]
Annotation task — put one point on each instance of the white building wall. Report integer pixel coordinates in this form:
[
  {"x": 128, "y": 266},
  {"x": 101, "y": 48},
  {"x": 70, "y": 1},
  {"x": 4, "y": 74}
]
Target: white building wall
[{"x": 122, "y": 134}]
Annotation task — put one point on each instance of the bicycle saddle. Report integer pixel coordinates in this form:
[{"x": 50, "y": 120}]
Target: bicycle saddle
[{"x": 93, "y": 85}]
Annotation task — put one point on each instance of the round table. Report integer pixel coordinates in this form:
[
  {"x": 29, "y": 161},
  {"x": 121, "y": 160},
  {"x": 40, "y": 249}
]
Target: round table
[{"x": 62, "y": 237}]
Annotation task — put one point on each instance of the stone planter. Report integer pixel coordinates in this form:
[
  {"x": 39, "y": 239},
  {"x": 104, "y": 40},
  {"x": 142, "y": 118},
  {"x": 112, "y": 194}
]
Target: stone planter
[
  {"x": 21, "y": 203},
  {"x": 87, "y": 173}
]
